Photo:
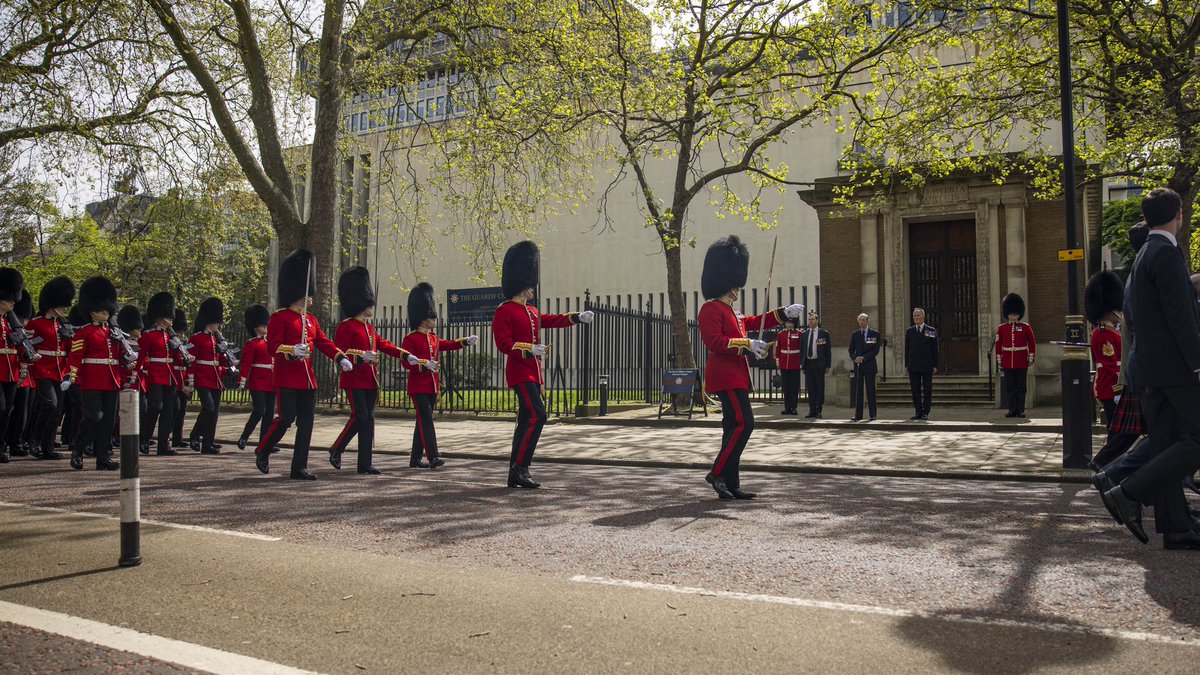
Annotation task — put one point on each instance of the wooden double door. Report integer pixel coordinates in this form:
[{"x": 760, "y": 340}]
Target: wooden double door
[{"x": 943, "y": 273}]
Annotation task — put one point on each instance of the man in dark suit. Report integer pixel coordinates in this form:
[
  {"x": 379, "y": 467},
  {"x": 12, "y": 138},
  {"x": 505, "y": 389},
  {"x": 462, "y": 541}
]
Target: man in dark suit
[
  {"x": 920, "y": 360},
  {"x": 1160, "y": 309},
  {"x": 864, "y": 347},
  {"x": 815, "y": 359}
]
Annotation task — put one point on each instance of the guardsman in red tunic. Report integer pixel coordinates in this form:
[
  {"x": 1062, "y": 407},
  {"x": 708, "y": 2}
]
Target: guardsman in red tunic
[
  {"x": 183, "y": 393},
  {"x": 256, "y": 375},
  {"x": 726, "y": 333},
  {"x": 98, "y": 372},
  {"x": 53, "y": 334},
  {"x": 357, "y": 338},
  {"x": 1015, "y": 347},
  {"x": 129, "y": 320},
  {"x": 206, "y": 373},
  {"x": 787, "y": 345},
  {"x": 19, "y": 424},
  {"x": 292, "y": 336},
  {"x": 11, "y": 285},
  {"x": 516, "y": 329},
  {"x": 159, "y": 349},
  {"x": 1102, "y": 300},
  {"x": 424, "y": 384}
]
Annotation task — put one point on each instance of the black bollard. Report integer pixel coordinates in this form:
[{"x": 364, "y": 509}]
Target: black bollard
[
  {"x": 603, "y": 395},
  {"x": 130, "y": 491}
]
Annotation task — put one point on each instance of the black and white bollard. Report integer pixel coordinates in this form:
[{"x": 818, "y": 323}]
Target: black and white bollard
[
  {"x": 131, "y": 489},
  {"x": 603, "y": 395}
]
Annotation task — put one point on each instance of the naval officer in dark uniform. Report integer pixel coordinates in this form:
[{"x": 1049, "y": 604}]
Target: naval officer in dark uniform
[{"x": 920, "y": 360}]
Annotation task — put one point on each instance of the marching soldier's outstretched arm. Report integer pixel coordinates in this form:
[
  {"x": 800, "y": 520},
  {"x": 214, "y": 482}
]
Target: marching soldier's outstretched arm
[
  {"x": 388, "y": 347},
  {"x": 773, "y": 318}
]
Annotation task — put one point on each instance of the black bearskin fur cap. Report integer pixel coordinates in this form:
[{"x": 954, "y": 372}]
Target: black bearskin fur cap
[
  {"x": 293, "y": 270},
  {"x": 255, "y": 316},
  {"x": 212, "y": 310},
  {"x": 58, "y": 292},
  {"x": 1104, "y": 293},
  {"x": 354, "y": 291},
  {"x": 1013, "y": 304},
  {"x": 11, "y": 284},
  {"x": 77, "y": 318},
  {"x": 129, "y": 319},
  {"x": 520, "y": 270},
  {"x": 421, "y": 305},
  {"x": 725, "y": 267},
  {"x": 179, "y": 324},
  {"x": 24, "y": 308},
  {"x": 95, "y": 295},
  {"x": 160, "y": 306}
]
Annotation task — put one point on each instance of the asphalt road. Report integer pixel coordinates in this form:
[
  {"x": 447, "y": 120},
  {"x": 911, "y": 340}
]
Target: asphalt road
[{"x": 955, "y": 575}]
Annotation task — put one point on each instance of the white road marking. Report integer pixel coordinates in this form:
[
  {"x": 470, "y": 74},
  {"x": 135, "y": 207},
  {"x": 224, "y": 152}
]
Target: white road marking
[
  {"x": 144, "y": 521},
  {"x": 153, "y": 646},
  {"x": 888, "y": 611}
]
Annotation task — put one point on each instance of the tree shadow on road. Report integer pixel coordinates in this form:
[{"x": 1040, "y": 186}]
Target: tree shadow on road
[{"x": 705, "y": 509}]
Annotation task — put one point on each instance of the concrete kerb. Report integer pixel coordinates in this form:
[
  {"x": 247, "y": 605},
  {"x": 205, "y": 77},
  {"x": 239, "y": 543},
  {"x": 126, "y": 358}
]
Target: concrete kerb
[{"x": 803, "y": 424}]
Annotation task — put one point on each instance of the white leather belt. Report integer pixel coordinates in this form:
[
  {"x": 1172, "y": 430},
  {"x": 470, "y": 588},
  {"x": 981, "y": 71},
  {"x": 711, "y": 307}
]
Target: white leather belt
[
  {"x": 789, "y": 351},
  {"x": 7, "y": 350},
  {"x": 47, "y": 352},
  {"x": 263, "y": 365},
  {"x": 153, "y": 359},
  {"x": 207, "y": 363},
  {"x": 100, "y": 362},
  {"x": 1015, "y": 349}
]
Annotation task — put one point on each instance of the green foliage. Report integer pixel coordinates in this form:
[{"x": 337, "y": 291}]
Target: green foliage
[
  {"x": 474, "y": 371},
  {"x": 1117, "y": 218}
]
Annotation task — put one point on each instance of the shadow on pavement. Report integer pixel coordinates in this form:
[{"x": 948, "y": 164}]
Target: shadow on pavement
[
  {"x": 59, "y": 577},
  {"x": 708, "y": 508}
]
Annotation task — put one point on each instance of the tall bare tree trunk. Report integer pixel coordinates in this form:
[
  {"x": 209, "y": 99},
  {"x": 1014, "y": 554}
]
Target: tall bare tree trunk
[{"x": 681, "y": 337}]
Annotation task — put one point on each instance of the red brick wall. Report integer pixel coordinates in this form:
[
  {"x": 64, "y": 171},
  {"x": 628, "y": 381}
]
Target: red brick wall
[
  {"x": 841, "y": 276},
  {"x": 1044, "y": 237}
]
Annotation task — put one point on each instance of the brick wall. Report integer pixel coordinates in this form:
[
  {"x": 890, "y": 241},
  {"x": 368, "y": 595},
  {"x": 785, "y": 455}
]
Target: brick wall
[
  {"x": 841, "y": 278},
  {"x": 1047, "y": 300}
]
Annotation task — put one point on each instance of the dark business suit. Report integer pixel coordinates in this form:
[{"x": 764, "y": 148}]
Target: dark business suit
[
  {"x": 867, "y": 346},
  {"x": 815, "y": 359},
  {"x": 920, "y": 359},
  {"x": 1167, "y": 355}
]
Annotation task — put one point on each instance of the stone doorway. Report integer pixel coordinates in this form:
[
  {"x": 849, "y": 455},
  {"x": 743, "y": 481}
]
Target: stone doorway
[{"x": 943, "y": 268}]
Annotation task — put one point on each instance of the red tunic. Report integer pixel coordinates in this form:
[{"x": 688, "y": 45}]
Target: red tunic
[
  {"x": 53, "y": 364},
  {"x": 155, "y": 361},
  {"x": 96, "y": 360},
  {"x": 1106, "y": 353},
  {"x": 788, "y": 344},
  {"x": 10, "y": 366},
  {"x": 517, "y": 325},
  {"x": 286, "y": 329},
  {"x": 257, "y": 368},
  {"x": 209, "y": 367},
  {"x": 355, "y": 336},
  {"x": 1015, "y": 345},
  {"x": 724, "y": 331},
  {"x": 426, "y": 346}
]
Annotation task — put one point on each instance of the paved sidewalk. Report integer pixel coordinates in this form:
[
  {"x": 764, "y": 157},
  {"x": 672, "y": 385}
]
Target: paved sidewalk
[{"x": 967, "y": 451}]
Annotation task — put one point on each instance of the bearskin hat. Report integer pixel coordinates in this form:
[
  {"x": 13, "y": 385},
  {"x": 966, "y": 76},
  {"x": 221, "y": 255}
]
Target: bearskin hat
[
  {"x": 24, "y": 308},
  {"x": 179, "y": 324},
  {"x": 77, "y": 318},
  {"x": 421, "y": 305},
  {"x": 58, "y": 292},
  {"x": 11, "y": 283},
  {"x": 300, "y": 265},
  {"x": 520, "y": 270},
  {"x": 354, "y": 291},
  {"x": 255, "y": 316},
  {"x": 97, "y": 294},
  {"x": 160, "y": 306},
  {"x": 212, "y": 310},
  {"x": 1013, "y": 304},
  {"x": 726, "y": 266},
  {"x": 129, "y": 319},
  {"x": 1104, "y": 293}
]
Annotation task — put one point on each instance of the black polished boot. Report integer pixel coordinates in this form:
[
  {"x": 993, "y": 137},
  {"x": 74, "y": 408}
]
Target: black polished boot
[
  {"x": 739, "y": 493},
  {"x": 106, "y": 464},
  {"x": 302, "y": 474},
  {"x": 436, "y": 462},
  {"x": 419, "y": 464},
  {"x": 76, "y": 460},
  {"x": 335, "y": 459},
  {"x": 370, "y": 471},
  {"x": 263, "y": 462},
  {"x": 241, "y": 444},
  {"x": 1126, "y": 510},
  {"x": 718, "y": 484},
  {"x": 518, "y": 477}
]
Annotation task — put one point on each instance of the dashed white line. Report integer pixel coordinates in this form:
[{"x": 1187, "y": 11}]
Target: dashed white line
[{"x": 144, "y": 521}]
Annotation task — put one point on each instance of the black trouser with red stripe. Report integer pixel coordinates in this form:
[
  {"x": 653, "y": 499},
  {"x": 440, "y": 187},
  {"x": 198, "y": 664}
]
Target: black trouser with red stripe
[
  {"x": 181, "y": 401},
  {"x": 293, "y": 406},
  {"x": 737, "y": 421},
  {"x": 531, "y": 417},
  {"x": 263, "y": 406},
  {"x": 49, "y": 412},
  {"x": 160, "y": 407},
  {"x": 8, "y": 393},
  {"x": 361, "y": 423},
  {"x": 424, "y": 435}
]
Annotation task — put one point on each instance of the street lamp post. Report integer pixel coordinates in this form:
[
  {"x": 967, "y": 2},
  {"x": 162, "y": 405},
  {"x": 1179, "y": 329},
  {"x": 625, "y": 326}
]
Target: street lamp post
[{"x": 1076, "y": 384}]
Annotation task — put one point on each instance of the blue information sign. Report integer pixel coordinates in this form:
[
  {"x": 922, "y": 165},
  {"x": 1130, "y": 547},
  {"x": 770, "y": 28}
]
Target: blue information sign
[{"x": 473, "y": 305}]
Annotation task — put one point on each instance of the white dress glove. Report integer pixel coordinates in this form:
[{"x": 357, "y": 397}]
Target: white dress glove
[
  {"x": 794, "y": 311},
  {"x": 431, "y": 366},
  {"x": 300, "y": 351},
  {"x": 471, "y": 340},
  {"x": 369, "y": 357},
  {"x": 586, "y": 317},
  {"x": 412, "y": 360},
  {"x": 66, "y": 384},
  {"x": 538, "y": 350},
  {"x": 346, "y": 365},
  {"x": 759, "y": 348}
]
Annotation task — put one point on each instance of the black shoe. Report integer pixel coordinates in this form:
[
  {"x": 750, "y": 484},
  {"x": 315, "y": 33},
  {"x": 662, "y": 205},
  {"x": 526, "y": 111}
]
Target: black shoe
[
  {"x": 1010, "y": 414},
  {"x": 89, "y": 453},
  {"x": 166, "y": 452},
  {"x": 194, "y": 445},
  {"x": 211, "y": 450},
  {"x": 739, "y": 493},
  {"x": 263, "y": 462},
  {"x": 1021, "y": 415},
  {"x": 818, "y": 416},
  {"x": 335, "y": 460},
  {"x": 1182, "y": 541},
  {"x": 925, "y": 417},
  {"x": 419, "y": 464},
  {"x": 1103, "y": 484},
  {"x": 789, "y": 412},
  {"x": 809, "y": 416},
  {"x": 217, "y": 445},
  {"x": 178, "y": 444},
  {"x": 871, "y": 419},
  {"x": 436, "y": 462},
  {"x": 370, "y": 470},
  {"x": 107, "y": 465},
  {"x": 529, "y": 479},
  {"x": 915, "y": 417},
  {"x": 18, "y": 451},
  {"x": 1093, "y": 466},
  {"x": 1126, "y": 511},
  {"x": 241, "y": 444},
  {"x": 76, "y": 461},
  {"x": 49, "y": 455},
  {"x": 302, "y": 474},
  {"x": 144, "y": 448},
  {"x": 1190, "y": 483},
  {"x": 718, "y": 484},
  {"x": 3, "y": 457},
  {"x": 518, "y": 477},
  {"x": 855, "y": 419}
]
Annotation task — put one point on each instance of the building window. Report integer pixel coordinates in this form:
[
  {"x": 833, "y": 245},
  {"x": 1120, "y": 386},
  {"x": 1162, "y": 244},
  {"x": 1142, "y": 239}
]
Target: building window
[
  {"x": 362, "y": 121},
  {"x": 420, "y": 109},
  {"x": 441, "y": 106}
]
